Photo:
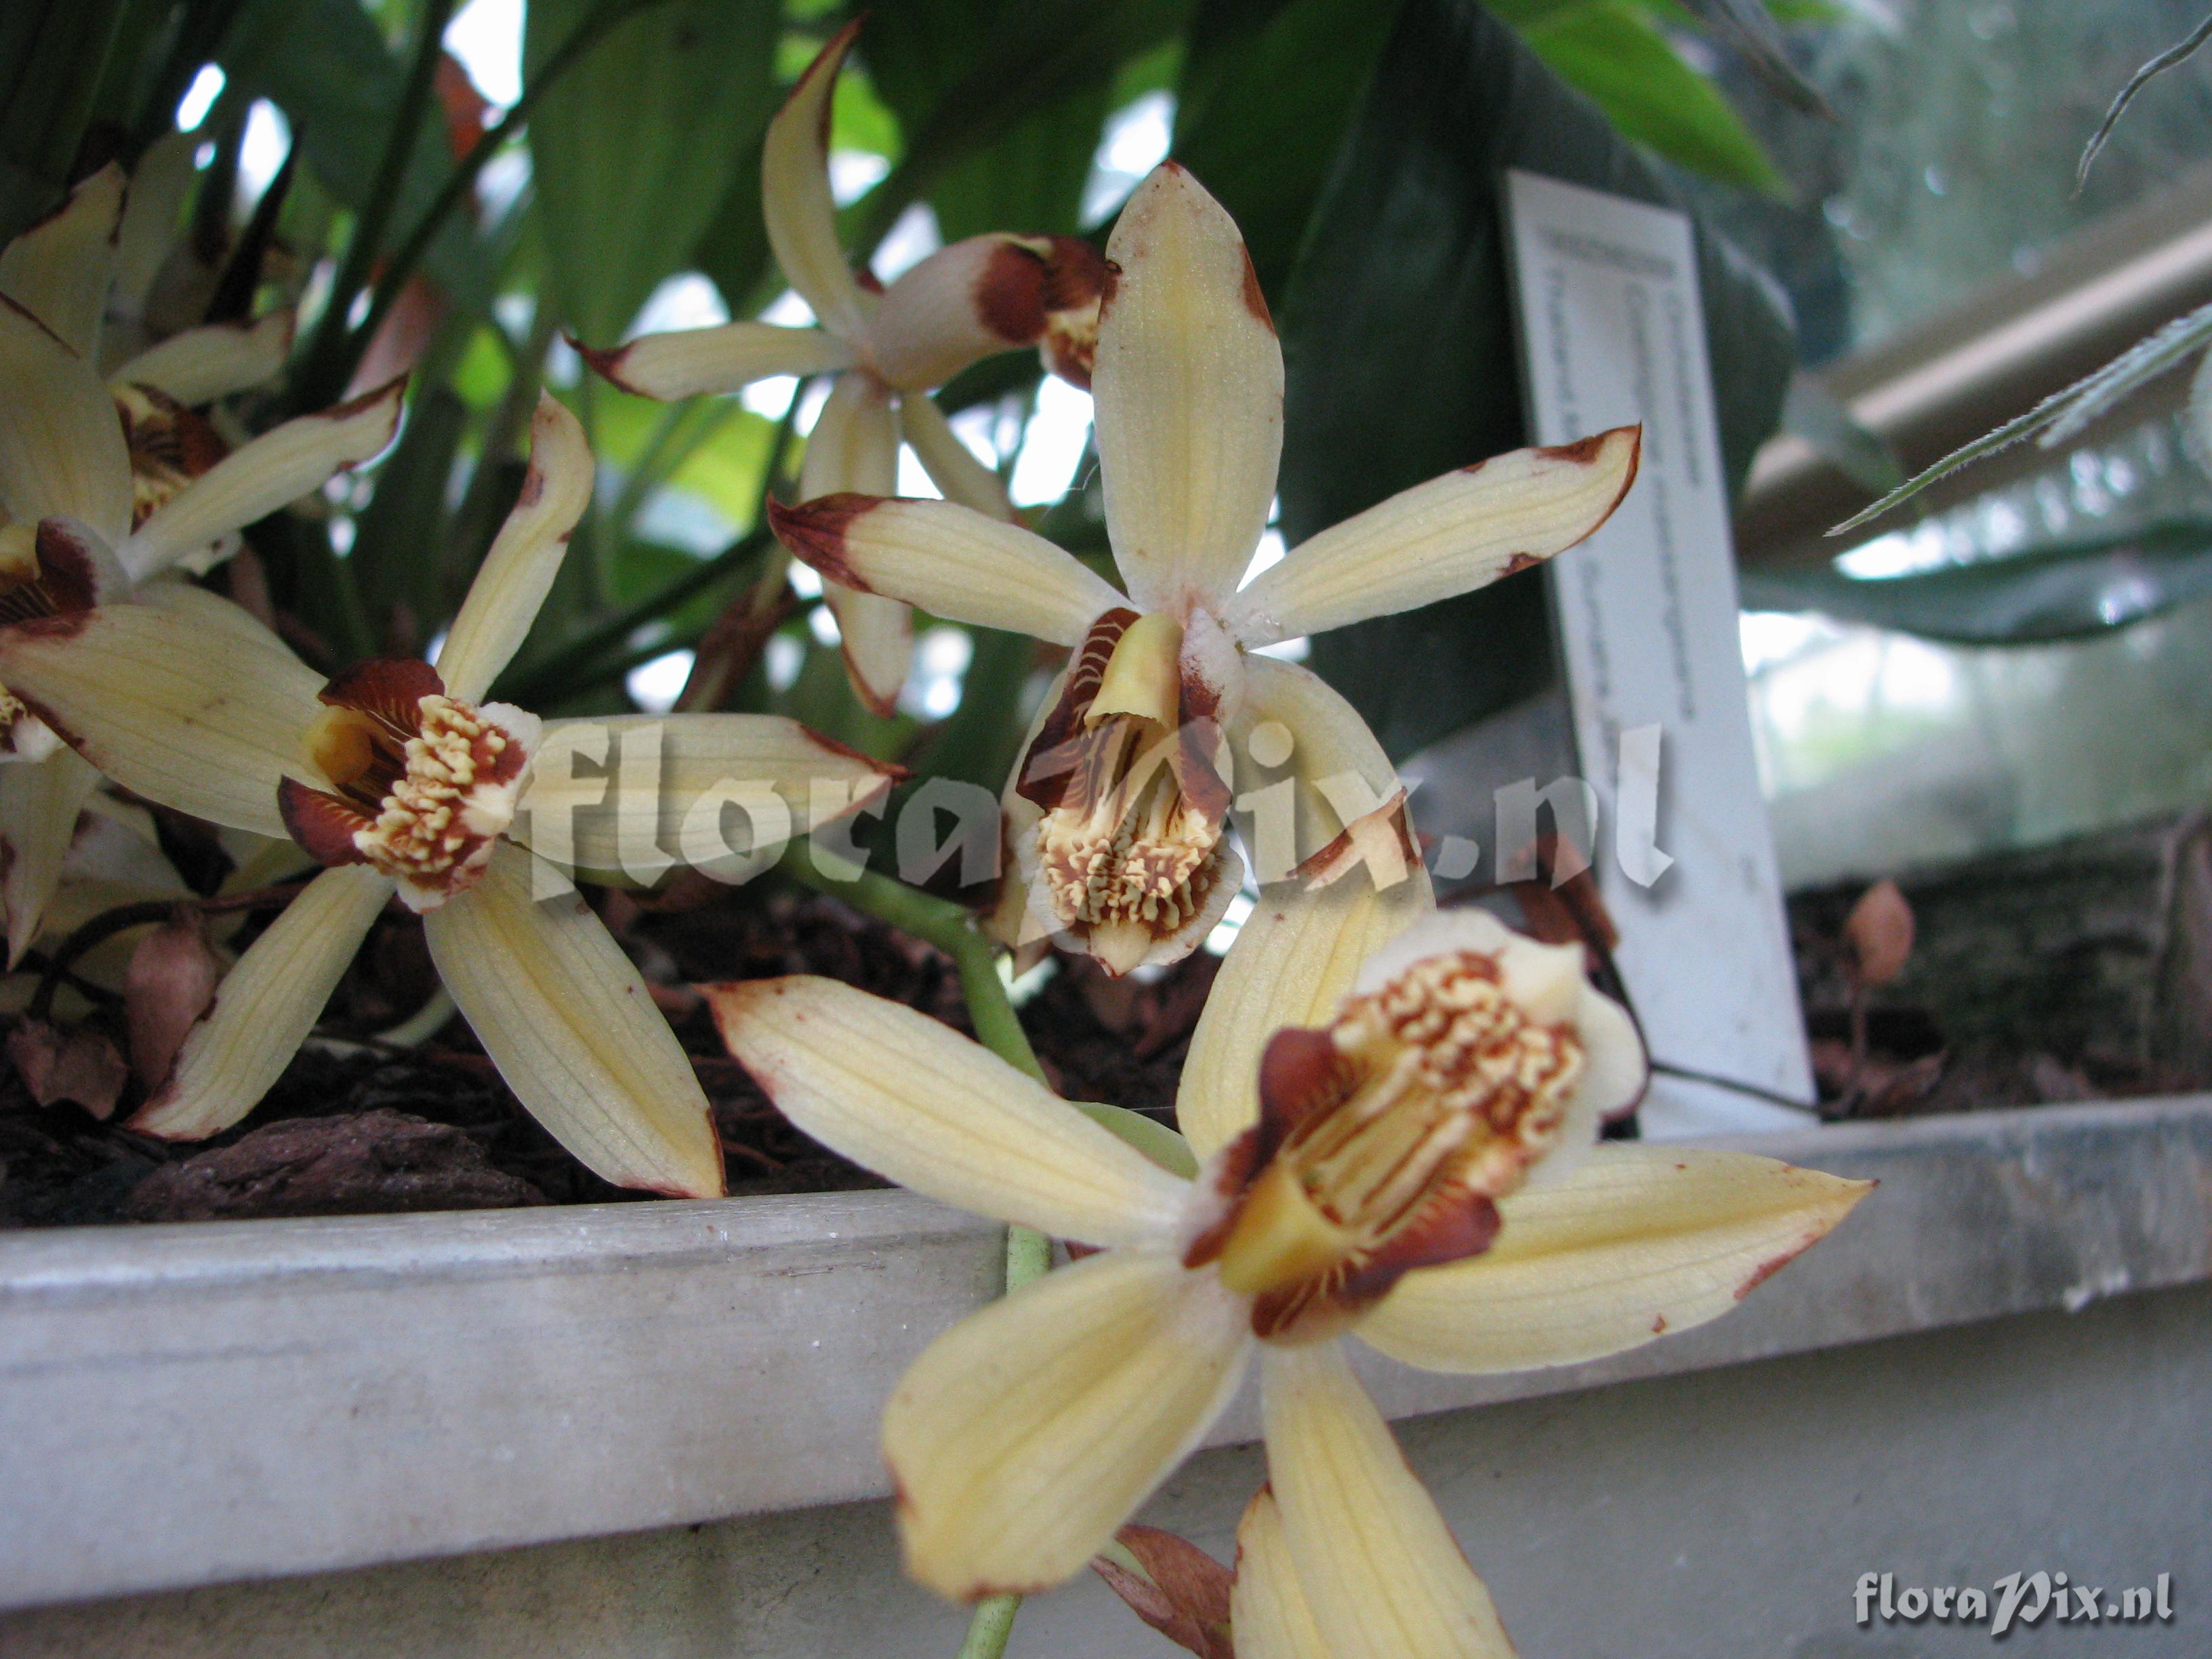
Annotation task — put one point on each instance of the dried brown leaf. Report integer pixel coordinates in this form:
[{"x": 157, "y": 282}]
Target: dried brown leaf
[
  {"x": 78, "y": 1065},
  {"x": 170, "y": 983},
  {"x": 1878, "y": 935},
  {"x": 1177, "y": 1589}
]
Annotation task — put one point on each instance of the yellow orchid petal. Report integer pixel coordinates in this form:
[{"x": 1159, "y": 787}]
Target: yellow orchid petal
[
  {"x": 855, "y": 447},
  {"x": 1188, "y": 383},
  {"x": 1267, "y": 1607},
  {"x": 206, "y": 717},
  {"x": 59, "y": 269},
  {"x": 1448, "y": 536},
  {"x": 253, "y": 481},
  {"x": 952, "y": 465},
  {"x": 906, "y": 1096},
  {"x": 1381, "y": 1571},
  {"x": 1296, "y": 955},
  {"x": 62, "y": 452},
  {"x": 40, "y": 801},
  {"x": 1338, "y": 773},
  {"x": 1632, "y": 1244},
  {"x": 202, "y": 364},
  {"x": 265, "y": 1008},
  {"x": 1026, "y": 1434},
  {"x": 795, "y": 199},
  {"x": 573, "y": 1030},
  {"x": 672, "y": 778},
  {"x": 687, "y": 362},
  {"x": 525, "y": 557},
  {"x": 951, "y": 561}
]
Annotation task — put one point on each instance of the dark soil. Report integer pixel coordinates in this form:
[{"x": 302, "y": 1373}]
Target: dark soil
[{"x": 351, "y": 1129}]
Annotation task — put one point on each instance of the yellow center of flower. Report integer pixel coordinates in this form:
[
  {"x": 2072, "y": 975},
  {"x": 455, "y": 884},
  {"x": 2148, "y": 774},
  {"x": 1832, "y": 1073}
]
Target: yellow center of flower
[
  {"x": 1126, "y": 859},
  {"x": 1418, "y": 1106},
  {"x": 436, "y": 796}
]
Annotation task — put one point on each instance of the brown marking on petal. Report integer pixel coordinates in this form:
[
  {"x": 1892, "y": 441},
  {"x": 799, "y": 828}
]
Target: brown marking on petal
[
  {"x": 1108, "y": 285},
  {"x": 1455, "y": 1226},
  {"x": 67, "y": 573},
  {"x": 1766, "y": 1269},
  {"x": 816, "y": 533},
  {"x": 1341, "y": 856},
  {"x": 1520, "y": 562},
  {"x": 1255, "y": 301},
  {"x": 33, "y": 317},
  {"x": 875, "y": 702},
  {"x": 866, "y": 280},
  {"x": 1075, "y": 274},
  {"x": 393, "y": 390},
  {"x": 889, "y": 772},
  {"x": 1198, "y": 737},
  {"x": 387, "y": 687},
  {"x": 1050, "y": 766},
  {"x": 606, "y": 363},
  {"x": 832, "y": 52},
  {"x": 1240, "y": 1161},
  {"x": 1659, "y": 1325},
  {"x": 1009, "y": 293},
  {"x": 322, "y": 824},
  {"x": 1300, "y": 1069},
  {"x": 52, "y": 628},
  {"x": 1584, "y": 451}
]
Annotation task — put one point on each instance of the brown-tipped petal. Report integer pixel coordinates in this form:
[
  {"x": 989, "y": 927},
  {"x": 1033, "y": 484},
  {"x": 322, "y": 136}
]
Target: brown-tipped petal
[
  {"x": 853, "y": 447},
  {"x": 574, "y": 1031},
  {"x": 1268, "y": 1608},
  {"x": 253, "y": 481},
  {"x": 59, "y": 269},
  {"x": 688, "y": 362},
  {"x": 1633, "y": 1242},
  {"x": 1448, "y": 536},
  {"x": 952, "y": 467},
  {"x": 1380, "y": 1570},
  {"x": 980, "y": 296},
  {"x": 1188, "y": 380},
  {"x": 1174, "y": 1586},
  {"x": 62, "y": 452},
  {"x": 265, "y": 1008},
  {"x": 795, "y": 199},
  {"x": 1338, "y": 774},
  {"x": 1026, "y": 1434},
  {"x": 40, "y": 801},
  {"x": 205, "y": 716},
  {"x": 951, "y": 561},
  {"x": 909, "y": 1097},
  {"x": 517, "y": 573},
  {"x": 675, "y": 778},
  {"x": 202, "y": 364}
]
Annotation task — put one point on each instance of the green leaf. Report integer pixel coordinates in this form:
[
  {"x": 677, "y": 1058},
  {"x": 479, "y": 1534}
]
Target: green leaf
[
  {"x": 51, "y": 60},
  {"x": 1267, "y": 91},
  {"x": 637, "y": 147},
  {"x": 325, "y": 63},
  {"x": 1614, "y": 57},
  {"x": 2068, "y": 590},
  {"x": 1398, "y": 338}
]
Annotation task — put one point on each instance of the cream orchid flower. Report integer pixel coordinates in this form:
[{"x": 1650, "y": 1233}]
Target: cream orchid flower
[
  {"x": 127, "y": 459},
  {"x": 1116, "y": 812},
  {"x": 1395, "y": 1111},
  {"x": 889, "y": 348},
  {"x": 402, "y": 780}
]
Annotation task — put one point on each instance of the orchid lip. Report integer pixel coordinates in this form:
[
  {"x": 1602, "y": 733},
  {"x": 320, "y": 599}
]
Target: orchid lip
[{"x": 423, "y": 784}]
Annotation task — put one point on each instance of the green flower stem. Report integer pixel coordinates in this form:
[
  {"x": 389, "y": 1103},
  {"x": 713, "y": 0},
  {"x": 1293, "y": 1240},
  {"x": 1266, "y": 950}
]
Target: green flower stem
[{"x": 952, "y": 930}]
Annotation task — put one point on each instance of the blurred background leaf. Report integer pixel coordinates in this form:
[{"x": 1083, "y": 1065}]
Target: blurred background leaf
[
  {"x": 637, "y": 147},
  {"x": 1399, "y": 343}
]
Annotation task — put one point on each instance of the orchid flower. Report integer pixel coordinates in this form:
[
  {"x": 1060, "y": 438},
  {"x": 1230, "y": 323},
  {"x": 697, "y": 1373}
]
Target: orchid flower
[
  {"x": 400, "y": 778},
  {"x": 1116, "y": 811},
  {"x": 1395, "y": 1111},
  {"x": 129, "y": 461},
  {"x": 889, "y": 348}
]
